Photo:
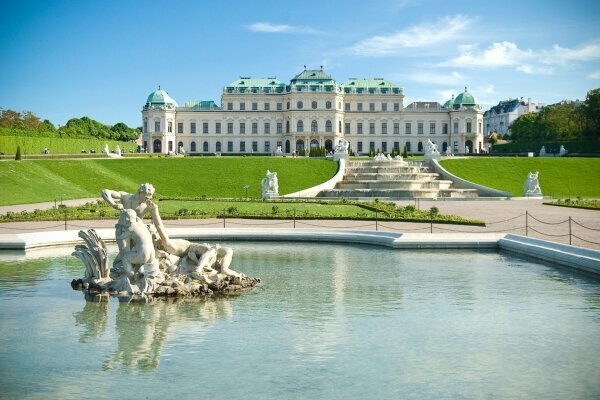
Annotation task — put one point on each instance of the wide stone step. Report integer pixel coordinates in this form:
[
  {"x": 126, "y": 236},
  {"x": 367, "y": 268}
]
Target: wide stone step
[
  {"x": 391, "y": 177},
  {"x": 394, "y": 184},
  {"x": 401, "y": 194},
  {"x": 401, "y": 170}
]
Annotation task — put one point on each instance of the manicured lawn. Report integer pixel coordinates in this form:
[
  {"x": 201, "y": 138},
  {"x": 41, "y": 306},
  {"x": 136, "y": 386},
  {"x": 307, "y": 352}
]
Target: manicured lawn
[
  {"x": 559, "y": 177},
  {"x": 56, "y": 145},
  {"x": 32, "y": 181}
]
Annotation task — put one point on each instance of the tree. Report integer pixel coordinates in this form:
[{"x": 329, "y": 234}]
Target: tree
[
  {"x": 18, "y": 155},
  {"x": 591, "y": 112},
  {"x": 31, "y": 121},
  {"x": 405, "y": 152},
  {"x": 10, "y": 119},
  {"x": 524, "y": 128}
]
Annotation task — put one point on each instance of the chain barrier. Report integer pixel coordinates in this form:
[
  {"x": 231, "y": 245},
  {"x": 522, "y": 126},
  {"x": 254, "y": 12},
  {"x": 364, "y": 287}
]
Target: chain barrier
[
  {"x": 260, "y": 224},
  {"x": 402, "y": 229},
  {"x": 337, "y": 226},
  {"x": 173, "y": 225},
  {"x": 583, "y": 226},
  {"x": 505, "y": 220},
  {"x": 585, "y": 240},
  {"x": 547, "y": 223},
  {"x": 548, "y": 234}
]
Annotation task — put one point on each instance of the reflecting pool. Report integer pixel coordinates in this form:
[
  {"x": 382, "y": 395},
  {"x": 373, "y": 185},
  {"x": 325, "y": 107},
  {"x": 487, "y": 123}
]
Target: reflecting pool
[{"x": 329, "y": 321}]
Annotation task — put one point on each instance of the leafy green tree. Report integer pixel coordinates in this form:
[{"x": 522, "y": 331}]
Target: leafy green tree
[
  {"x": 524, "y": 128},
  {"x": 31, "y": 121},
  {"x": 591, "y": 112},
  {"x": 10, "y": 119},
  {"x": 18, "y": 154}
]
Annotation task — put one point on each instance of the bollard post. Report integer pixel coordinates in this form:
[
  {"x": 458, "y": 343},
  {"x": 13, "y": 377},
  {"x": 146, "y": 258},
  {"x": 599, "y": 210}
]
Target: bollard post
[
  {"x": 65, "y": 219},
  {"x": 294, "y": 217},
  {"x": 526, "y": 223},
  {"x": 570, "y": 229},
  {"x": 223, "y": 222},
  {"x": 376, "y": 218}
]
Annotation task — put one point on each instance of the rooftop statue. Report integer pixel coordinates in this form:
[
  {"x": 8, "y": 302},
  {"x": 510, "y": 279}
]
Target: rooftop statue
[{"x": 149, "y": 261}]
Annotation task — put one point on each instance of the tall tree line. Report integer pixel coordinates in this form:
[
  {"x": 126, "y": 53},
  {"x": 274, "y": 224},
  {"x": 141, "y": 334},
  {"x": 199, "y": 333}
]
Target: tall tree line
[
  {"x": 566, "y": 121},
  {"x": 27, "y": 123}
]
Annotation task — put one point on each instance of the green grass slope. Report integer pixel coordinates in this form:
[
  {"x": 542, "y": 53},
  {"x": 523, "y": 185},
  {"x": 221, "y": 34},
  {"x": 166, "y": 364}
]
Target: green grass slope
[
  {"x": 559, "y": 177},
  {"x": 56, "y": 145},
  {"x": 30, "y": 181}
]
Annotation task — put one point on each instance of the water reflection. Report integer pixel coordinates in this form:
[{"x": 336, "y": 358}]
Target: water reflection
[{"x": 142, "y": 323}]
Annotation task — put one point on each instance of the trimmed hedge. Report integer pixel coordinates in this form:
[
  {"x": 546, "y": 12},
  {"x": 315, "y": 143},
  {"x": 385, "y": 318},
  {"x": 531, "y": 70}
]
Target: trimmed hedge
[{"x": 587, "y": 146}]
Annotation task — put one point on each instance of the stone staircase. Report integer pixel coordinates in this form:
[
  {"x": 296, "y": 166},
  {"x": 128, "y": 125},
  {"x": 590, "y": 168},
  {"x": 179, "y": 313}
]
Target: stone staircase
[{"x": 393, "y": 180}]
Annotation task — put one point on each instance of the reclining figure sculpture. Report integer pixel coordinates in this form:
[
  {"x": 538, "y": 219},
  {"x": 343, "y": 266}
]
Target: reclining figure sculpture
[{"x": 151, "y": 262}]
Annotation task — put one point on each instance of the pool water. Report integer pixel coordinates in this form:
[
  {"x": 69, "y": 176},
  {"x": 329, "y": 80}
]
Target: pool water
[{"x": 329, "y": 321}]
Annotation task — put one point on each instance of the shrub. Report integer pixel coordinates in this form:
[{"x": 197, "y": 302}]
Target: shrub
[{"x": 18, "y": 155}]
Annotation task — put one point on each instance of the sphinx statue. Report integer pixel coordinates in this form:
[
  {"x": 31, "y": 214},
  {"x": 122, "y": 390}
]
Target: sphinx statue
[{"x": 149, "y": 261}]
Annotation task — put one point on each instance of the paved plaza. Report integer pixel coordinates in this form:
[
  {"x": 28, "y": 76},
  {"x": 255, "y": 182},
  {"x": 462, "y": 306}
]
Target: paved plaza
[{"x": 523, "y": 217}]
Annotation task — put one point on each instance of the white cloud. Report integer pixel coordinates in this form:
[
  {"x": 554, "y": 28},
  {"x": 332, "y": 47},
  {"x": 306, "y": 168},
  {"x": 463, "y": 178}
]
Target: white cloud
[
  {"x": 445, "y": 94},
  {"x": 562, "y": 55},
  {"x": 497, "y": 55},
  {"x": 266, "y": 27},
  {"x": 445, "y": 30},
  {"x": 535, "y": 70},
  {"x": 594, "y": 75}
]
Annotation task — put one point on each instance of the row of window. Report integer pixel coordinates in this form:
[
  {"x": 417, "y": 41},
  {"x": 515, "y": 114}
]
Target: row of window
[
  {"x": 299, "y": 145},
  {"x": 314, "y": 127},
  {"x": 266, "y": 106}
]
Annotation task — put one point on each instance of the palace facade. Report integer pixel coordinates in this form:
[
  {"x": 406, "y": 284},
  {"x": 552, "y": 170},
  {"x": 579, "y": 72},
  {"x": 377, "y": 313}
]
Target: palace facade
[{"x": 313, "y": 110}]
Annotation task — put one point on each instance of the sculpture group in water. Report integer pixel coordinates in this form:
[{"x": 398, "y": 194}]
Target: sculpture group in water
[{"x": 151, "y": 262}]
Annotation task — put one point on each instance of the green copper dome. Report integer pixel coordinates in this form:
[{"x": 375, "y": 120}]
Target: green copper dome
[
  {"x": 160, "y": 97},
  {"x": 449, "y": 103},
  {"x": 465, "y": 99}
]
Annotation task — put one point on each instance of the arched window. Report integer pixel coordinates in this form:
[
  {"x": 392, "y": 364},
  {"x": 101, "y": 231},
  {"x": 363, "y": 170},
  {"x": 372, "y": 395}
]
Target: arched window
[
  {"x": 299, "y": 105},
  {"x": 193, "y": 147},
  {"x": 328, "y": 105},
  {"x": 314, "y": 127},
  {"x": 287, "y": 126},
  {"x": 288, "y": 105},
  {"x": 328, "y": 127},
  {"x": 300, "y": 126},
  {"x": 339, "y": 126},
  {"x": 444, "y": 147},
  {"x": 218, "y": 147},
  {"x": 314, "y": 144},
  {"x": 420, "y": 147},
  {"x": 179, "y": 147},
  {"x": 408, "y": 150},
  {"x": 314, "y": 105},
  {"x": 205, "y": 147},
  {"x": 145, "y": 125},
  {"x": 299, "y": 144}
]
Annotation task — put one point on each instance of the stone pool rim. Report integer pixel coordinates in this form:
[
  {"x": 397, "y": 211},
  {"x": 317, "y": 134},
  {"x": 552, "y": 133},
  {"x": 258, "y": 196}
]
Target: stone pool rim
[{"x": 571, "y": 257}]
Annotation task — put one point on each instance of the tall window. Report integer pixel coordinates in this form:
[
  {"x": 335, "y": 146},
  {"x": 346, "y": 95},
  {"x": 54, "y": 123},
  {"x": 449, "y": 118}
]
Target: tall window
[
  {"x": 328, "y": 105},
  {"x": 397, "y": 147},
  {"x": 279, "y": 127},
  {"x": 205, "y": 147},
  {"x": 230, "y": 147},
  {"x": 192, "y": 127},
  {"x": 445, "y": 128},
  {"x": 242, "y": 106},
  {"x": 384, "y": 128},
  {"x": 242, "y": 128},
  {"x": 229, "y": 106},
  {"x": 359, "y": 128},
  {"x": 371, "y": 106},
  {"x": 287, "y": 126},
  {"x": 267, "y": 128},
  {"x": 371, "y": 146},
  {"x": 432, "y": 128},
  {"x": 407, "y": 128},
  {"x": 419, "y": 128},
  {"x": 267, "y": 146},
  {"x": 180, "y": 127},
  {"x": 254, "y": 128},
  {"x": 420, "y": 147},
  {"x": 314, "y": 127},
  {"x": 339, "y": 126},
  {"x": 300, "y": 126},
  {"x": 145, "y": 126},
  {"x": 346, "y": 128},
  {"x": 359, "y": 107},
  {"x": 314, "y": 105},
  {"x": 170, "y": 127},
  {"x": 254, "y": 146},
  {"x": 383, "y": 106},
  {"x": 242, "y": 147},
  {"x": 299, "y": 105},
  {"x": 384, "y": 147},
  {"x": 279, "y": 106},
  {"x": 359, "y": 147},
  {"x": 205, "y": 127},
  {"x": 328, "y": 127},
  {"x": 396, "y": 128},
  {"x": 455, "y": 126},
  {"x": 396, "y": 106},
  {"x": 371, "y": 128},
  {"x": 267, "y": 106},
  {"x": 254, "y": 106},
  {"x": 156, "y": 126},
  {"x": 218, "y": 147},
  {"x": 230, "y": 127},
  {"x": 346, "y": 106},
  {"x": 193, "y": 147},
  {"x": 468, "y": 127},
  {"x": 218, "y": 127}
]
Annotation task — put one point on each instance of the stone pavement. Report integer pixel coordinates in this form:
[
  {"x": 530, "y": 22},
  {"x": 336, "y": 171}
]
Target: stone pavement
[{"x": 507, "y": 216}]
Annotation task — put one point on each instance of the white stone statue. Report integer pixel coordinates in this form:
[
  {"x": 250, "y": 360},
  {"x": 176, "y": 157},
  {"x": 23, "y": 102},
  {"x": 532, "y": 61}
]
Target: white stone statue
[
  {"x": 562, "y": 151},
  {"x": 531, "y": 188},
  {"x": 279, "y": 151},
  {"x": 118, "y": 151},
  {"x": 543, "y": 152},
  {"x": 149, "y": 261},
  {"x": 342, "y": 146},
  {"x": 431, "y": 148},
  {"x": 270, "y": 185},
  {"x": 105, "y": 150}
]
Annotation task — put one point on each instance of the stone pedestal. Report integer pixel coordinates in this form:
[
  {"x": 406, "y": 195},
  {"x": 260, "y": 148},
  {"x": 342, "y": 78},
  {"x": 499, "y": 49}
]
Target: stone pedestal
[{"x": 340, "y": 156}]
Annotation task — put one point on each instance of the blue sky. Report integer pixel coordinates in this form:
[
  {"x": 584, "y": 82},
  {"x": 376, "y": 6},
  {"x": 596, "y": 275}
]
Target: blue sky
[{"x": 64, "y": 59}]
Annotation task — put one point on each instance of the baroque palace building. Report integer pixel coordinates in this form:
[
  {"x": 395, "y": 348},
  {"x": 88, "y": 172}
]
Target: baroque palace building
[{"x": 313, "y": 110}]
